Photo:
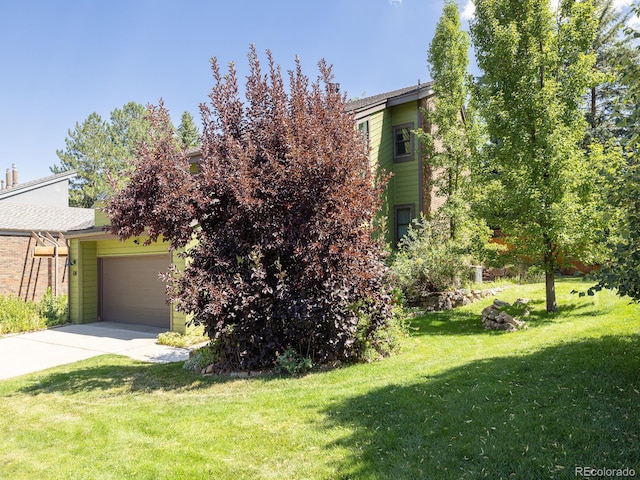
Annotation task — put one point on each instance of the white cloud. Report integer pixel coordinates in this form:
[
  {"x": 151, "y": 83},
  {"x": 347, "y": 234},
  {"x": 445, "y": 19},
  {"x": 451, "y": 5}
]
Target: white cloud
[
  {"x": 468, "y": 11},
  {"x": 395, "y": 2}
]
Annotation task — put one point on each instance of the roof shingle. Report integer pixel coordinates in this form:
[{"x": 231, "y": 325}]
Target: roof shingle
[{"x": 50, "y": 218}]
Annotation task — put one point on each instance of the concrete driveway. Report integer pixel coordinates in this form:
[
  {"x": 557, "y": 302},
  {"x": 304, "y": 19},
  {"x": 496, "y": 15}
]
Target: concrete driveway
[{"x": 32, "y": 352}]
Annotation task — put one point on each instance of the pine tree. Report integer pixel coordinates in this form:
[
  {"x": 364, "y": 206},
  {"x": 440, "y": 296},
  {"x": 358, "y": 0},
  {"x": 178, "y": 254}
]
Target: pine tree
[
  {"x": 188, "y": 132},
  {"x": 102, "y": 152}
]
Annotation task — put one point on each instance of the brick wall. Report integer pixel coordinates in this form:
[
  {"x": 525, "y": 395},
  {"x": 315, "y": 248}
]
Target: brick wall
[{"x": 24, "y": 276}]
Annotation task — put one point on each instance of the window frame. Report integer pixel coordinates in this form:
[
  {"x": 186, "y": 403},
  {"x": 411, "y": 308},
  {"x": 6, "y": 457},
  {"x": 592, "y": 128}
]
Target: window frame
[
  {"x": 404, "y": 157},
  {"x": 363, "y": 129},
  {"x": 412, "y": 210}
]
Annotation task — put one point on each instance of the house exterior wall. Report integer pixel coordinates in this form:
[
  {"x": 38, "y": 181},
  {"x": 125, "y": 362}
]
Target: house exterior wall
[
  {"x": 24, "y": 276},
  {"x": 404, "y": 185},
  {"x": 84, "y": 283},
  {"x": 56, "y": 194}
]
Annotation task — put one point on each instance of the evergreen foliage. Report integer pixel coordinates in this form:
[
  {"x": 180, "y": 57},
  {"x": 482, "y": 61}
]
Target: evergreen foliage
[
  {"x": 188, "y": 132},
  {"x": 102, "y": 152}
]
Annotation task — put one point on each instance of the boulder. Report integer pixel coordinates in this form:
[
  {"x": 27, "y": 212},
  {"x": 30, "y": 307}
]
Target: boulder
[
  {"x": 494, "y": 318},
  {"x": 501, "y": 303}
]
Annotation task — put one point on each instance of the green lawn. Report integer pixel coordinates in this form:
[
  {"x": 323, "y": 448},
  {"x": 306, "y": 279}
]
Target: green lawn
[{"x": 457, "y": 402}]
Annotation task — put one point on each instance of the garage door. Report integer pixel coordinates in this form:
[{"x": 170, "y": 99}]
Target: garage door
[{"x": 131, "y": 291}]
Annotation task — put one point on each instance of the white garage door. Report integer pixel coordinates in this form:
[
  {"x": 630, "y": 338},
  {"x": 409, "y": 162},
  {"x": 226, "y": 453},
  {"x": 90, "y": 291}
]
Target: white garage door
[{"x": 131, "y": 291}]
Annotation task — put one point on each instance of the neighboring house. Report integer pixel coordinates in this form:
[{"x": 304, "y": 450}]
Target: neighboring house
[
  {"x": 118, "y": 281},
  {"x": 386, "y": 122},
  {"x": 36, "y": 214}
]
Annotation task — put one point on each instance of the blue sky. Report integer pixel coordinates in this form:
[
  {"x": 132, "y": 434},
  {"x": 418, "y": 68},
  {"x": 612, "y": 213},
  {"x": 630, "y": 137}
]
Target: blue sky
[{"x": 64, "y": 59}]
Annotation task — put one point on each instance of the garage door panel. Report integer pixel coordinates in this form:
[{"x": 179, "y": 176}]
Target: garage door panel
[{"x": 131, "y": 291}]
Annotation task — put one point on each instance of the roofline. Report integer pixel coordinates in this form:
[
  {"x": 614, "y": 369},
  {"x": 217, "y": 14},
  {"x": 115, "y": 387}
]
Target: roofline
[
  {"x": 369, "y": 105},
  {"x": 97, "y": 232},
  {"x": 35, "y": 184},
  {"x": 16, "y": 232}
]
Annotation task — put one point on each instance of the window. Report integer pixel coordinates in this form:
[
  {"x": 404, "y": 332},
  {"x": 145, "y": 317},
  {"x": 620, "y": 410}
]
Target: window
[
  {"x": 363, "y": 128},
  {"x": 403, "y": 143},
  {"x": 403, "y": 217}
]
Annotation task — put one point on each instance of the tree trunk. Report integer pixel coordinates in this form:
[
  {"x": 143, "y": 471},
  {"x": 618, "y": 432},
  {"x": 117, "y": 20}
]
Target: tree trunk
[
  {"x": 592, "y": 120},
  {"x": 549, "y": 277}
]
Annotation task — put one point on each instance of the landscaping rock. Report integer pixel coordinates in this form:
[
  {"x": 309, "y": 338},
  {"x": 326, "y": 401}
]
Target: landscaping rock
[
  {"x": 491, "y": 312},
  {"x": 501, "y": 303},
  {"x": 494, "y": 318},
  {"x": 437, "y": 301}
]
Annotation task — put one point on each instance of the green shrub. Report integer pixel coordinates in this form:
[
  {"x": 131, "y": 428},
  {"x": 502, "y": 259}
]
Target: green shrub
[
  {"x": 53, "y": 309},
  {"x": 17, "y": 315},
  {"x": 382, "y": 342},
  {"x": 429, "y": 260},
  {"x": 201, "y": 358},
  {"x": 291, "y": 362},
  {"x": 175, "y": 339}
]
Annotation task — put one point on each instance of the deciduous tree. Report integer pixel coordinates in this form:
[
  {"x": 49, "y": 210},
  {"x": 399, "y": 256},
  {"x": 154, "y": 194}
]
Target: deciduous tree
[
  {"x": 449, "y": 141},
  {"x": 281, "y": 213},
  {"x": 622, "y": 272},
  {"x": 537, "y": 65}
]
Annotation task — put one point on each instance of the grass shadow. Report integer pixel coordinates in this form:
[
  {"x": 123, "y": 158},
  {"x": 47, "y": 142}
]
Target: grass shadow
[
  {"x": 448, "y": 322},
  {"x": 531, "y": 416},
  {"x": 118, "y": 374},
  {"x": 465, "y": 321}
]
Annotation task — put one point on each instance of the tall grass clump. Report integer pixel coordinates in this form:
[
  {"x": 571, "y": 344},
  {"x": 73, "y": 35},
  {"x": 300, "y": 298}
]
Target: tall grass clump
[
  {"x": 53, "y": 309},
  {"x": 18, "y": 315}
]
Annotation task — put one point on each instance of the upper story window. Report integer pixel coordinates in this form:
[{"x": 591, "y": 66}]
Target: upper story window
[
  {"x": 403, "y": 143},
  {"x": 363, "y": 128}
]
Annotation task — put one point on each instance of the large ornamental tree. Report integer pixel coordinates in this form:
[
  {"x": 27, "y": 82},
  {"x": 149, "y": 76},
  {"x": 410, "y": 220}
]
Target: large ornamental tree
[
  {"x": 276, "y": 225},
  {"x": 537, "y": 65}
]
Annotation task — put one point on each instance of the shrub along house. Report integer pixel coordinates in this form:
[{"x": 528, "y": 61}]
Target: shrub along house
[
  {"x": 33, "y": 219},
  {"x": 118, "y": 281}
]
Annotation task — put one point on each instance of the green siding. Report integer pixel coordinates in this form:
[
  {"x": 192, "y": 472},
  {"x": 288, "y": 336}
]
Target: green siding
[
  {"x": 179, "y": 320},
  {"x": 133, "y": 246},
  {"x": 404, "y": 186},
  {"x": 83, "y": 282}
]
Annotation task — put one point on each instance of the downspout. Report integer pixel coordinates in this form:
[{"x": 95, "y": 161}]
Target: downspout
[
  {"x": 69, "y": 264},
  {"x": 420, "y": 160}
]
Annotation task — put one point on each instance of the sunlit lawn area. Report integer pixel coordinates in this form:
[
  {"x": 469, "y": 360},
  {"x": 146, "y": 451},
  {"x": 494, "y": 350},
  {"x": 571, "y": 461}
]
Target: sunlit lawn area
[{"x": 457, "y": 402}]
